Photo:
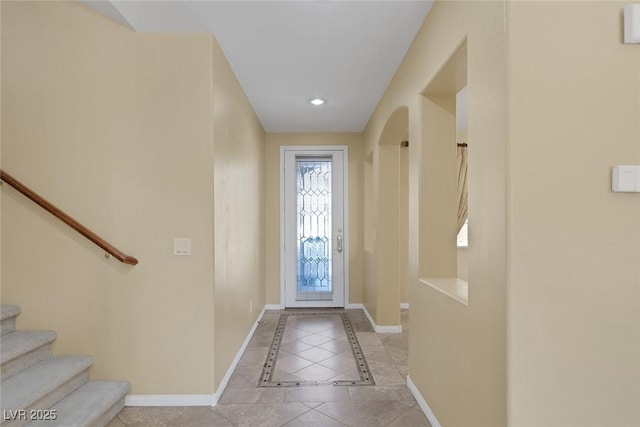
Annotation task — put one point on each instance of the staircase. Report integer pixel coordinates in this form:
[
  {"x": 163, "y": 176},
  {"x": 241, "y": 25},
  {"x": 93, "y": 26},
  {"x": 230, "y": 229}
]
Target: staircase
[{"x": 38, "y": 389}]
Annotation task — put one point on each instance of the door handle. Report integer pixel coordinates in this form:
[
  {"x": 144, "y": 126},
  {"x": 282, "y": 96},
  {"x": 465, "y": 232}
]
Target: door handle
[{"x": 339, "y": 245}]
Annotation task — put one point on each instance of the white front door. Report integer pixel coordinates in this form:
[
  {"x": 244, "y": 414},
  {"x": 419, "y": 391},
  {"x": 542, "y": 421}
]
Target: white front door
[{"x": 314, "y": 227}]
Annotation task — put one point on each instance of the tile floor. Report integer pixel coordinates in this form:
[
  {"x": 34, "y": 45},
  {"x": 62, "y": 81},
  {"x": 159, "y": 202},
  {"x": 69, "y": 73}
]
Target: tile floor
[
  {"x": 314, "y": 351},
  {"x": 314, "y": 348}
]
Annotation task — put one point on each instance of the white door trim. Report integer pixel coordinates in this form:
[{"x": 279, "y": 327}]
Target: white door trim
[{"x": 345, "y": 203}]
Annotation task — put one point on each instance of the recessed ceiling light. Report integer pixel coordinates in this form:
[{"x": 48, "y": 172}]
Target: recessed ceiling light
[{"x": 317, "y": 101}]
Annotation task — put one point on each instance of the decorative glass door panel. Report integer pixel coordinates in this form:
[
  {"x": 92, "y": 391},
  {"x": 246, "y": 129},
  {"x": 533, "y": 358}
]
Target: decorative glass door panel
[
  {"x": 313, "y": 191},
  {"x": 313, "y": 176}
]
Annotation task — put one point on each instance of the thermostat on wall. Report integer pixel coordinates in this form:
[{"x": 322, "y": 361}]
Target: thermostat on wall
[{"x": 626, "y": 179}]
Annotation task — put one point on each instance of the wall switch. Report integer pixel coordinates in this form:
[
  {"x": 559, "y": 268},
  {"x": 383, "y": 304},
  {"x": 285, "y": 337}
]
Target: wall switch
[
  {"x": 626, "y": 179},
  {"x": 182, "y": 246}
]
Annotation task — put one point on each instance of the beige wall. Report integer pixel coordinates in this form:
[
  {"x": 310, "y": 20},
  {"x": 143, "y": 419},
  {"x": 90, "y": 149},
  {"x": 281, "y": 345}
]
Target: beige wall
[
  {"x": 386, "y": 188},
  {"x": 574, "y": 296},
  {"x": 369, "y": 288},
  {"x": 117, "y": 128},
  {"x": 384, "y": 304},
  {"x": 404, "y": 225},
  {"x": 0, "y": 150},
  {"x": 457, "y": 356},
  {"x": 272, "y": 206},
  {"x": 238, "y": 212},
  {"x": 463, "y": 263},
  {"x": 574, "y": 246}
]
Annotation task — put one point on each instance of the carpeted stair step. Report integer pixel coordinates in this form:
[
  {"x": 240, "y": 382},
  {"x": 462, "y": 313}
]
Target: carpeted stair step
[
  {"x": 23, "y": 349},
  {"x": 43, "y": 385},
  {"x": 8, "y": 315},
  {"x": 93, "y": 404}
]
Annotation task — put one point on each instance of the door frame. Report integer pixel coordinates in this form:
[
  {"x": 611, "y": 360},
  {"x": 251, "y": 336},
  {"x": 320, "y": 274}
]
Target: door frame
[{"x": 345, "y": 203}]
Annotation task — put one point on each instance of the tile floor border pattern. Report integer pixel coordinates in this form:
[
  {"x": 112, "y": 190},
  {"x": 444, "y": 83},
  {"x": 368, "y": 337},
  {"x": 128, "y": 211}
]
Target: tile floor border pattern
[{"x": 266, "y": 378}]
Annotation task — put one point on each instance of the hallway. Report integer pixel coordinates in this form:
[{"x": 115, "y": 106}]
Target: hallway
[{"x": 310, "y": 377}]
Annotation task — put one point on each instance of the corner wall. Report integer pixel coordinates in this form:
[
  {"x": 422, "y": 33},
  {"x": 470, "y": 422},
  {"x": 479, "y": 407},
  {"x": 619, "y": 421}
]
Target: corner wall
[
  {"x": 574, "y": 296},
  {"x": 238, "y": 214}
]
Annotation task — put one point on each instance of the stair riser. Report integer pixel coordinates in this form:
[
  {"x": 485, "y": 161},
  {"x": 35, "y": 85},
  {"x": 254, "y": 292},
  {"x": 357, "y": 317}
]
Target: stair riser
[
  {"x": 52, "y": 398},
  {"x": 8, "y": 325},
  {"x": 25, "y": 361},
  {"x": 92, "y": 405},
  {"x": 109, "y": 414}
]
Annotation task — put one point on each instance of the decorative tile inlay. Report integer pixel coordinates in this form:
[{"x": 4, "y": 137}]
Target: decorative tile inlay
[{"x": 353, "y": 377}]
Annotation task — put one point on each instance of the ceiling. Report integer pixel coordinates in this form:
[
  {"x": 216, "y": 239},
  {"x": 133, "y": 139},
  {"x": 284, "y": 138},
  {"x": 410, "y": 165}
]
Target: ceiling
[{"x": 285, "y": 53}]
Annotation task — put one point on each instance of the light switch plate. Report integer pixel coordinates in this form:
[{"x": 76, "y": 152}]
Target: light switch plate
[
  {"x": 632, "y": 23},
  {"x": 182, "y": 246},
  {"x": 626, "y": 179}
]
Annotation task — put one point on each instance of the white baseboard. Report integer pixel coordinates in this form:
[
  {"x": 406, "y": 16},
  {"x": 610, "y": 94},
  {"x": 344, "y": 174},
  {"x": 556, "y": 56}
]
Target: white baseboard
[
  {"x": 404, "y": 305},
  {"x": 422, "y": 403},
  {"x": 194, "y": 399},
  {"x": 234, "y": 364},
  {"x": 170, "y": 400},
  {"x": 273, "y": 307},
  {"x": 354, "y": 305},
  {"x": 366, "y": 313},
  {"x": 391, "y": 329}
]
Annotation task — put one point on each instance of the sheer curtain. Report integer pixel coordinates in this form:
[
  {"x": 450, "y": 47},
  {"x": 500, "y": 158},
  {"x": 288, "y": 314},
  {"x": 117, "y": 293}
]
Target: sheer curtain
[{"x": 463, "y": 207}]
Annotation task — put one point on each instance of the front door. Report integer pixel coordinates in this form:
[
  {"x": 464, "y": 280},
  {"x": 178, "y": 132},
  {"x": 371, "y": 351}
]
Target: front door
[{"x": 314, "y": 238}]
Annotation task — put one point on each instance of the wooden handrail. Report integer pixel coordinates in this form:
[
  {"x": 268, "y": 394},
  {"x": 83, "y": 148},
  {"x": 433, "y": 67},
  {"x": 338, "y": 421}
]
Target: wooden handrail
[{"x": 62, "y": 216}]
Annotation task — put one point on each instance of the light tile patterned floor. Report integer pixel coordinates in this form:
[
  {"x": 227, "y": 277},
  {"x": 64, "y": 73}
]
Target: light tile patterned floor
[
  {"x": 309, "y": 355},
  {"x": 314, "y": 348}
]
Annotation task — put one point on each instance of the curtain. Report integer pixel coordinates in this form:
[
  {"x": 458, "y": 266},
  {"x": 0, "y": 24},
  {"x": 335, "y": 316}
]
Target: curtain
[{"x": 463, "y": 207}]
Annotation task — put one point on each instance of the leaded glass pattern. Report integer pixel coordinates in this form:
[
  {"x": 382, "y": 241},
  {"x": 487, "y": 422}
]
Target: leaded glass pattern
[{"x": 313, "y": 176}]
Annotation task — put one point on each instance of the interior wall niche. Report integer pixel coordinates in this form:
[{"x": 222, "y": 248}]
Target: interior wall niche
[
  {"x": 438, "y": 229},
  {"x": 462, "y": 139}
]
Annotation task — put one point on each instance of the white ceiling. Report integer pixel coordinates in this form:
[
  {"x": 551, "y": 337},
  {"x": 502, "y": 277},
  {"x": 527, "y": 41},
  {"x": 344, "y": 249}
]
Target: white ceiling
[{"x": 286, "y": 52}]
